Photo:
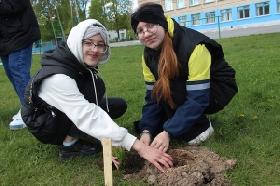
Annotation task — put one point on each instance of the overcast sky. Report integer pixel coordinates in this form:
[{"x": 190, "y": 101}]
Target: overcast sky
[{"x": 134, "y": 4}]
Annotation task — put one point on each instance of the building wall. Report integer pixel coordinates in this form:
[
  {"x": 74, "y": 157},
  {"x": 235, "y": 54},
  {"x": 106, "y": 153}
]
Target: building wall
[
  {"x": 113, "y": 35},
  {"x": 184, "y": 15}
]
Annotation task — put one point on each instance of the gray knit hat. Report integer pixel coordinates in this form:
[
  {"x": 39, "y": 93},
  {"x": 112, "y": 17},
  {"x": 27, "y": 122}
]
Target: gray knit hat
[
  {"x": 84, "y": 30},
  {"x": 93, "y": 30}
]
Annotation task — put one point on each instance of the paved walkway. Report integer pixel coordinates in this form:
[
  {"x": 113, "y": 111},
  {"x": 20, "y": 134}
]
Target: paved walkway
[
  {"x": 225, "y": 33},
  {"x": 125, "y": 43},
  {"x": 243, "y": 31}
]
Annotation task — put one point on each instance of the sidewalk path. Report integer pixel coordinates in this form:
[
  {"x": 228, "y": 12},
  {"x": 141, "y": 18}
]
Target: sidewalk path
[
  {"x": 225, "y": 33},
  {"x": 125, "y": 43},
  {"x": 243, "y": 31}
]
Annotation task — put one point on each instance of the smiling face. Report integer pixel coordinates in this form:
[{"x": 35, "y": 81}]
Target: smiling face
[
  {"x": 93, "y": 50},
  {"x": 150, "y": 35}
]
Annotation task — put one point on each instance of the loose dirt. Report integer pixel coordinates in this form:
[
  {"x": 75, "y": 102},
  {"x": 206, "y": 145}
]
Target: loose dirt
[{"x": 193, "y": 165}]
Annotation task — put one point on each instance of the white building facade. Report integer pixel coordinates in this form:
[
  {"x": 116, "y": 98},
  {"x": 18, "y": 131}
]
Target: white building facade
[{"x": 210, "y": 14}]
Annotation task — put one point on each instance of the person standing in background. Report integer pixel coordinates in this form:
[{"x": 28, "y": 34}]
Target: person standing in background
[{"x": 19, "y": 29}]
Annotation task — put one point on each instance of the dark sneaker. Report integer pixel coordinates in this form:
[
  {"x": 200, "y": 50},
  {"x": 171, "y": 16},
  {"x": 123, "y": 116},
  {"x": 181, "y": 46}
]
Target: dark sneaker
[{"x": 77, "y": 149}]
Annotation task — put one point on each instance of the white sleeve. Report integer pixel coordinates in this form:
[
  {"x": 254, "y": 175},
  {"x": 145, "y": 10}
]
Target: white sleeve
[{"x": 62, "y": 92}]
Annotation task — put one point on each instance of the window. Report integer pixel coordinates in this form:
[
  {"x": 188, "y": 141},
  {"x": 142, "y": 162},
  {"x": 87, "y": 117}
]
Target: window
[
  {"x": 209, "y": 1},
  {"x": 226, "y": 15},
  {"x": 180, "y": 3},
  {"x": 262, "y": 8},
  {"x": 168, "y": 5},
  {"x": 278, "y": 6},
  {"x": 194, "y": 2},
  {"x": 243, "y": 11},
  {"x": 196, "y": 19},
  {"x": 210, "y": 17},
  {"x": 182, "y": 20}
]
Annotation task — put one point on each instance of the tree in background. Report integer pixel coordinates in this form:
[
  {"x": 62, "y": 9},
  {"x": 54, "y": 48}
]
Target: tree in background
[
  {"x": 114, "y": 14},
  {"x": 44, "y": 17},
  {"x": 57, "y": 17},
  {"x": 96, "y": 11},
  {"x": 82, "y": 6}
]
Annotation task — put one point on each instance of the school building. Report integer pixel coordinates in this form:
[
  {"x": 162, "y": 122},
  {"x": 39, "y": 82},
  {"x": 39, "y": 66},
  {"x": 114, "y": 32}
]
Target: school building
[{"x": 212, "y": 14}]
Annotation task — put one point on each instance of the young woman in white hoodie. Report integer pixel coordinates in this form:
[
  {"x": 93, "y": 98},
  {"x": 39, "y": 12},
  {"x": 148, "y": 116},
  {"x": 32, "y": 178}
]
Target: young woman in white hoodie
[{"x": 65, "y": 103}]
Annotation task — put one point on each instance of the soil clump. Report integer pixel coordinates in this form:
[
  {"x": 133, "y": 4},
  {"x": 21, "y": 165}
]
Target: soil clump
[{"x": 193, "y": 165}]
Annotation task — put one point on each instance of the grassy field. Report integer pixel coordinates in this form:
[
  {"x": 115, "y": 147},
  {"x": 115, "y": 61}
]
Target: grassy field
[{"x": 247, "y": 129}]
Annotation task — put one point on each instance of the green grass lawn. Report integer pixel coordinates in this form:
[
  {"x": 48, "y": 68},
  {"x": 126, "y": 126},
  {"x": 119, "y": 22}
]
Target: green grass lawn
[{"x": 247, "y": 129}]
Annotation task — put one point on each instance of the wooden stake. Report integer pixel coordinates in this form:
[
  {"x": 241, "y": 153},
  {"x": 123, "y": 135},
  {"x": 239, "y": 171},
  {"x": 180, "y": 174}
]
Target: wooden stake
[{"x": 107, "y": 161}]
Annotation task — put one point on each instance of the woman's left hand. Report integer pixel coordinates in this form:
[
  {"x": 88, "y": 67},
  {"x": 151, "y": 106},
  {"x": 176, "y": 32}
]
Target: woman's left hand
[
  {"x": 116, "y": 162},
  {"x": 161, "y": 141}
]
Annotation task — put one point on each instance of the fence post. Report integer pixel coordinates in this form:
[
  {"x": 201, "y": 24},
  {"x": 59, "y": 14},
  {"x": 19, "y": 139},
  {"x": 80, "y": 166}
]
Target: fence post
[{"x": 219, "y": 27}]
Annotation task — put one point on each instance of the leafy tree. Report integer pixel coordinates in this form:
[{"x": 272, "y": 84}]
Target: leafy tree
[
  {"x": 114, "y": 14},
  {"x": 82, "y": 5},
  {"x": 42, "y": 12},
  {"x": 118, "y": 14},
  {"x": 96, "y": 11},
  {"x": 57, "y": 17}
]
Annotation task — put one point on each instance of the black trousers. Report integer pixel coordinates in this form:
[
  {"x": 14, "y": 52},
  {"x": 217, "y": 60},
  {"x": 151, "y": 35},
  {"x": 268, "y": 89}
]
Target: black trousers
[{"x": 117, "y": 107}]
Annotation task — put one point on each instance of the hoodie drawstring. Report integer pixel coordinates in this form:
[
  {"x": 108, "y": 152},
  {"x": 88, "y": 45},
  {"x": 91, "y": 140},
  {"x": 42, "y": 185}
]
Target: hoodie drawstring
[
  {"x": 96, "y": 98},
  {"x": 106, "y": 99}
]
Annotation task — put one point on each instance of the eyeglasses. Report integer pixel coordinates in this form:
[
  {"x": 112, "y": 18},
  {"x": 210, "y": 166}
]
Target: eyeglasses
[
  {"x": 102, "y": 48},
  {"x": 151, "y": 28}
]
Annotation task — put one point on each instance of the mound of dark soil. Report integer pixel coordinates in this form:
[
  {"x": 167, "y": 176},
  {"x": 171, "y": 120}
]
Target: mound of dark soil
[{"x": 192, "y": 166}]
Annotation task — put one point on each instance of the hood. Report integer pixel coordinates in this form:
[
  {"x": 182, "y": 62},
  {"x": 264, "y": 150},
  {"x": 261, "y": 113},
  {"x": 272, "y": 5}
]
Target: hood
[
  {"x": 62, "y": 57},
  {"x": 75, "y": 38}
]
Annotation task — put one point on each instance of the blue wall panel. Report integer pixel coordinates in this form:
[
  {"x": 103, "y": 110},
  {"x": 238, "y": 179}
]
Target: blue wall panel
[{"x": 235, "y": 22}]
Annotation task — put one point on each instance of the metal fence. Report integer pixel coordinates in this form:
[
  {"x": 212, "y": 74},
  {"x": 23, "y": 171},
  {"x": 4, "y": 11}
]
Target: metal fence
[{"x": 40, "y": 47}]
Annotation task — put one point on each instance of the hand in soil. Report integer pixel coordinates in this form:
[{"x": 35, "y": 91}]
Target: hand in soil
[
  {"x": 193, "y": 165},
  {"x": 116, "y": 162},
  {"x": 159, "y": 159},
  {"x": 161, "y": 141}
]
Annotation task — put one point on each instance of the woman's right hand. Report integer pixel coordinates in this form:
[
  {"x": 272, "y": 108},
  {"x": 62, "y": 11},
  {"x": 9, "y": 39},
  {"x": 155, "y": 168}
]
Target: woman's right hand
[{"x": 159, "y": 159}]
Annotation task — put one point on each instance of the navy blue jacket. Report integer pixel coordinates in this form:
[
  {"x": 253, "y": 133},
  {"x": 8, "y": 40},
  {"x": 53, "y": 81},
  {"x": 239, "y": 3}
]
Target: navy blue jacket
[{"x": 193, "y": 97}]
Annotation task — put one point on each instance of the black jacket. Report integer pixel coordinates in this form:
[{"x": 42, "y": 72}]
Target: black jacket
[
  {"x": 223, "y": 84},
  {"x": 18, "y": 25},
  {"x": 45, "y": 122}
]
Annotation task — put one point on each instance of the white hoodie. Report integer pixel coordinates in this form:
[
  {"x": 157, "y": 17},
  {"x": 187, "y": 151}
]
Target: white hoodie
[{"x": 62, "y": 92}]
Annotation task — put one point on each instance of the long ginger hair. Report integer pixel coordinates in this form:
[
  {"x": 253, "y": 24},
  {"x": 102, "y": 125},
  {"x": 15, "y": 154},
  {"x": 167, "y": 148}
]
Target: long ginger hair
[{"x": 168, "y": 68}]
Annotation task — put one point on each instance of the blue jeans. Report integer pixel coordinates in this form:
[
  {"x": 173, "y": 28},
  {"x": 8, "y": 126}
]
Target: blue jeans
[{"x": 17, "y": 66}]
